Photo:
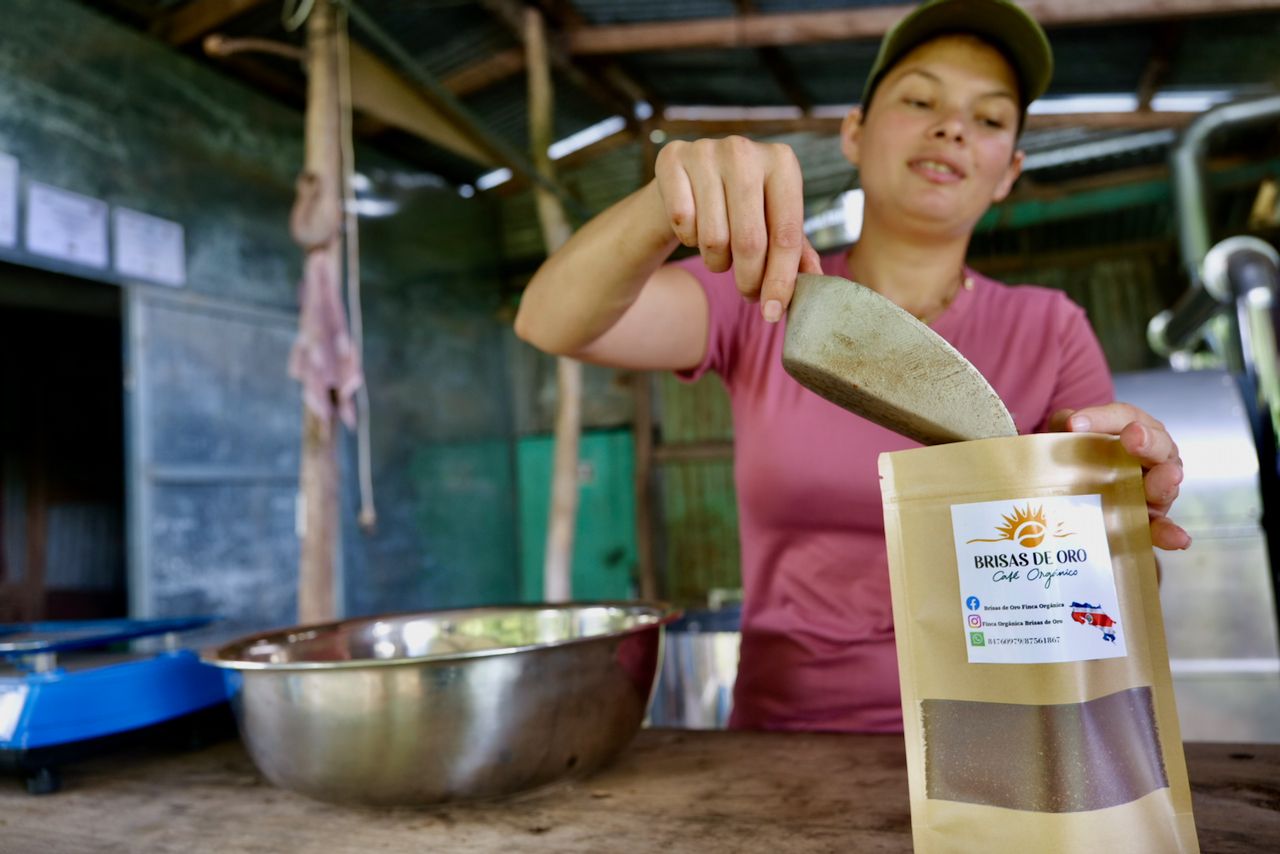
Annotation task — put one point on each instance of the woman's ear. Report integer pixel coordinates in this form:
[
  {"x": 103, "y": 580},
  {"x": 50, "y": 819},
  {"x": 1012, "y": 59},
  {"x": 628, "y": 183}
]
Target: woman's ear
[
  {"x": 1012, "y": 171},
  {"x": 851, "y": 135}
]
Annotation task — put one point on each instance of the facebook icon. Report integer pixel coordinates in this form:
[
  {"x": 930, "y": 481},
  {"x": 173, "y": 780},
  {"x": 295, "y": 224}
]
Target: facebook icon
[{"x": 973, "y": 603}]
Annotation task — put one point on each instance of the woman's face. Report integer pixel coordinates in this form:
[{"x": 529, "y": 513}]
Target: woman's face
[{"x": 936, "y": 145}]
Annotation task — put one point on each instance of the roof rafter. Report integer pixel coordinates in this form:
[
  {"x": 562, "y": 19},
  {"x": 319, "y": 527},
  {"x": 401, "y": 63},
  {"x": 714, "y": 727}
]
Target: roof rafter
[
  {"x": 794, "y": 28},
  {"x": 829, "y": 123},
  {"x": 481, "y": 75}
]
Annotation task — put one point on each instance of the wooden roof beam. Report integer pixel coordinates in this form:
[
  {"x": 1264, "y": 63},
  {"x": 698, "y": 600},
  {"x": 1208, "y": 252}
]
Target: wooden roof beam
[
  {"x": 196, "y": 19},
  {"x": 383, "y": 93},
  {"x": 378, "y": 91},
  {"x": 828, "y": 122},
  {"x": 1140, "y": 120},
  {"x": 618, "y": 83},
  {"x": 481, "y": 75},
  {"x": 793, "y": 28}
]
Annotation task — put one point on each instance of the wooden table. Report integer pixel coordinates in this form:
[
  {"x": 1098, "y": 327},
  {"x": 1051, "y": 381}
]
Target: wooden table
[{"x": 672, "y": 791}]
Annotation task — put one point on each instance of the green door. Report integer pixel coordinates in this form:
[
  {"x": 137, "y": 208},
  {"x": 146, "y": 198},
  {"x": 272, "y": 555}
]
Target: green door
[{"x": 604, "y": 543}]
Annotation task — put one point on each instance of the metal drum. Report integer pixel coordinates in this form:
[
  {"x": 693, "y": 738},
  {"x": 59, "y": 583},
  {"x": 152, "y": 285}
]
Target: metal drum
[{"x": 695, "y": 685}]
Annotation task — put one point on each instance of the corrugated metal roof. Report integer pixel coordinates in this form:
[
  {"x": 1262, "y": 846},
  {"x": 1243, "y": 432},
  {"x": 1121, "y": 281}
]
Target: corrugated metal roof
[
  {"x": 443, "y": 36},
  {"x": 446, "y": 36},
  {"x": 709, "y": 77},
  {"x": 1228, "y": 52},
  {"x": 833, "y": 73},
  {"x": 1100, "y": 59},
  {"x": 504, "y": 109}
]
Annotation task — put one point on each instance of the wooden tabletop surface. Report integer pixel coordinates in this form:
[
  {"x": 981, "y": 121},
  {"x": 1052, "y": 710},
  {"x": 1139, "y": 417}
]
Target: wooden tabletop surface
[{"x": 671, "y": 791}]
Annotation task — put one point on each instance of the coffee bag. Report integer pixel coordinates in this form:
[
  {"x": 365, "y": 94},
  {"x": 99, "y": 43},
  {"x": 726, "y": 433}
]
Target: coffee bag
[{"x": 1037, "y": 702}]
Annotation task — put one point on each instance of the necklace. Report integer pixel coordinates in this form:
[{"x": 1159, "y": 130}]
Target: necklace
[{"x": 961, "y": 280}]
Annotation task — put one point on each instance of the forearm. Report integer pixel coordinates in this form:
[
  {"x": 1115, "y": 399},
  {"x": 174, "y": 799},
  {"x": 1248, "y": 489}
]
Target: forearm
[{"x": 583, "y": 289}]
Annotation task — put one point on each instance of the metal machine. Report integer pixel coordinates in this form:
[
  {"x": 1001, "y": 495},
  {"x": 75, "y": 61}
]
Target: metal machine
[{"x": 1218, "y": 598}]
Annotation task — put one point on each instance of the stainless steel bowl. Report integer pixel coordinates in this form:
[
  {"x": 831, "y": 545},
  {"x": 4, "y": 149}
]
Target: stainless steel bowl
[{"x": 445, "y": 705}]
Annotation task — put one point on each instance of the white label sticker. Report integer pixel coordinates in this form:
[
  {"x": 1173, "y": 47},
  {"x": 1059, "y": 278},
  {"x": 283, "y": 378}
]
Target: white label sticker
[
  {"x": 66, "y": 225},
  {"x": 149, "y": 247},
  {"x": 12, "y": 699},
  {"x": 8, "y": 199},
  {"x": 1036, "y": 582}
]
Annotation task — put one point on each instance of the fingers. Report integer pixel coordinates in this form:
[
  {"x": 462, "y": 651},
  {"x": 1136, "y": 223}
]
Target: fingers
[
  {"x": 1161, "y": 485},
  {"x": 712, "y": 214},
  {"x": 749, "y": 233},
  {"x": 677, "y": 193},
  {"x": 1146, "y": 439},
  {"x": 1109, "y": 418},
  {"x": 1058, "y": 421},
  {"x": 810, "y": 262},
  {"x": 741, "y": 204},
  {"x": 1141, "y": 435},
  {"x": 1167, "y": 535},
  {"x": 1150, "y": 444},
  {"x": 784, "y": 212}
]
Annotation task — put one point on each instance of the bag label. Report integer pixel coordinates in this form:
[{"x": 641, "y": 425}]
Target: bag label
[{"x": 1036, "y": 581}]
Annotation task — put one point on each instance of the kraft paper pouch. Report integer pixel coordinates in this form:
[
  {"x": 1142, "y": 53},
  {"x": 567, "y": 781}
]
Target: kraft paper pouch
[{"x": 1036, "y": 697}]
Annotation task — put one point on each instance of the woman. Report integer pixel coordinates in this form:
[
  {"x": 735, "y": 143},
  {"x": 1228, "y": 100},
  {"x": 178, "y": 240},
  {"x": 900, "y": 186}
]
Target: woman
[{"x": 935, "y": 143}]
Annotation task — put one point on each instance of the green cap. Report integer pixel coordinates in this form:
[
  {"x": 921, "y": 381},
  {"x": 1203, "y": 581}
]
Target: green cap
[{"x": 1001, "y": 23}]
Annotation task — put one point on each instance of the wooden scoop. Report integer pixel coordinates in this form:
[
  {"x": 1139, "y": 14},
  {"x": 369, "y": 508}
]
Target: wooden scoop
[{"x": 860, "y": 351}]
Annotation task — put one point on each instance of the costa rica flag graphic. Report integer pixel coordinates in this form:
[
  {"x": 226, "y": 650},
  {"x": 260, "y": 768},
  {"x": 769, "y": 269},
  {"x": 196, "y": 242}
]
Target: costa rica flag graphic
[{"x": 1093, "y": 615}]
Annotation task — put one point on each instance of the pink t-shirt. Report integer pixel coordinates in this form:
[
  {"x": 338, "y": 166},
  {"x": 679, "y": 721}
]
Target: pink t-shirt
[{"x": 817, "y": 625}]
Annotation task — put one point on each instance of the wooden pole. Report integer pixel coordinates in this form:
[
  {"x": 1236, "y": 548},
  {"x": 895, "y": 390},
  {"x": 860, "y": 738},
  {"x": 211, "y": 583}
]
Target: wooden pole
[
  {"x": 319, "y": 470},
  {"x": 558, "y": 563},
  {"x": 642, "y": 426}
]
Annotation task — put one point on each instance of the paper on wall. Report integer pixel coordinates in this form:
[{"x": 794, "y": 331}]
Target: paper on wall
[
  {"x": 8, "y": 199},
  {"x": 66, "y": 225},
  {"x": 148, "y": 247}
]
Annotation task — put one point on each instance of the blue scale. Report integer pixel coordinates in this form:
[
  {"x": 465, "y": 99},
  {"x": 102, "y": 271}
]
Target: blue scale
[{"x": 69, "y": 689}]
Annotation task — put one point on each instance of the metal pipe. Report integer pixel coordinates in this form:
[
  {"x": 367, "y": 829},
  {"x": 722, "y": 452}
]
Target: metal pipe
[
  {"x": 1188, "y": 173},
  {"x": 1172, "y": 329},
  {"x": 1250, "y": 269},
  {"x": 445, "y": 101}
]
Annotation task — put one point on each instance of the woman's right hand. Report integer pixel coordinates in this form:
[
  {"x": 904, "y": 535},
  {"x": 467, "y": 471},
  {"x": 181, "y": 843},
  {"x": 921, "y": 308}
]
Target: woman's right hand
[{"x": 741, "y": 203}]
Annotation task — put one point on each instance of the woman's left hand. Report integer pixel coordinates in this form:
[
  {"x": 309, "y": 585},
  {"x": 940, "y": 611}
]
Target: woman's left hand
[{"x": 1146, "y": 439}]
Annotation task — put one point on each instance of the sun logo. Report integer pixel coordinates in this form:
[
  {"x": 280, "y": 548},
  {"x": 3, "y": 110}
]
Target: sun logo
[{"x": 1026, "y": 527}]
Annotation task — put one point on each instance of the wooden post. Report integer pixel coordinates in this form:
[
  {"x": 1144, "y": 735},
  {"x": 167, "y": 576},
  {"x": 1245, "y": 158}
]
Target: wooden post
[
  {"x": 642, "y": 425},
  {"x": 558, "y": 563},
  {"x": 319, "y": 472}
]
